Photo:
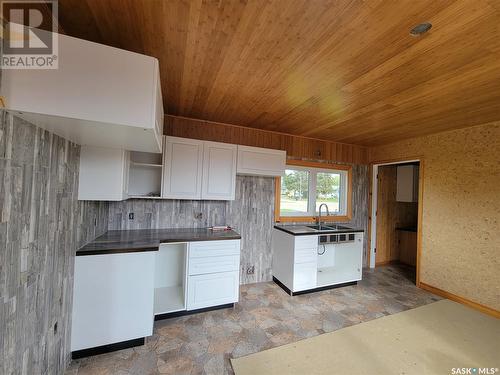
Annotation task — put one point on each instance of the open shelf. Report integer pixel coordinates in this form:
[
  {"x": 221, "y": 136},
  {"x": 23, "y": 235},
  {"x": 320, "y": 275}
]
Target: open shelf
[
  {"x": 145, "y": 175},
  {"x": 145, "y": 165},
  {"x": 169, "y": 299},
  {"x": 170, "y": 278},
  {"x": 335, "y": 275}
]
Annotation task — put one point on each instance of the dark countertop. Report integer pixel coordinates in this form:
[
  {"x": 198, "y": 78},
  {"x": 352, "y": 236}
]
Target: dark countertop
[
  {"x": 407, "y": 229},
  {"x": 139, "y": 240},
  {"x": 303, "y": 230}
]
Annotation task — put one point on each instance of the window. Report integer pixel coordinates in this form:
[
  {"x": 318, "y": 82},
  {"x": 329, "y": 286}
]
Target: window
[{"x": 307, "y": 185}]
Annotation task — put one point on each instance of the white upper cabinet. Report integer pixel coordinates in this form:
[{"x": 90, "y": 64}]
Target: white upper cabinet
[
  {"x": 407, "y": 183},
  {"x": 261, "y": 161},
  {"x": 219, "y": 171},
  {"x": 183, "y": 168},
  {"x": 98, "y": 96},
  {"x": 196, "y": 169},
  {"x": 103, "y": 174}
]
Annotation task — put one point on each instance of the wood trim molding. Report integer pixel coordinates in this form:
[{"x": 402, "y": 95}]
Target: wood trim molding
[
  {"x": 277, "y": 197},
  {"x": 312, "y": 219},
  {"x": 459, "y": 299},
  {"x": 421, "y": 171}
]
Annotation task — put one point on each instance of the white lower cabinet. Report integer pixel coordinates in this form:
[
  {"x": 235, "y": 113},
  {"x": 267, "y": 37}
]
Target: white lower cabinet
[
  {"x": 195, "y": 275},
  {"x": 212, "y": 289},
  {"x": 112, "y": 299},
  {"x": 300, "y": 264},
  {"x": 213, "y": 273}
]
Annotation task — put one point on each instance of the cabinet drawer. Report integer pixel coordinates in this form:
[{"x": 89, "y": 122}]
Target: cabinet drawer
[
  {"x": 306, "y": 255},
  {"x": 198, "y": 266},
  {"x": 212, "y": 290},
  {"x": 306, "y": 242},
  {"x": 214, "y": 248},
  {"x": 305, "y": 276}
]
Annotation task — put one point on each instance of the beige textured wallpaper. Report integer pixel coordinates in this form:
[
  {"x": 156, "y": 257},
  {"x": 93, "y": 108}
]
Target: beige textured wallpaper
[{"x": 461, "y": 209}]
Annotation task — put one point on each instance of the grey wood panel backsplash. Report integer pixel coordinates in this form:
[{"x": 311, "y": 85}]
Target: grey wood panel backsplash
[{"x": 41, "y": 225}]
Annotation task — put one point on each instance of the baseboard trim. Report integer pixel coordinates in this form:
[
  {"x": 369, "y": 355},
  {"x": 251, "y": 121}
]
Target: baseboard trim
[
  {"x": 459, "y": 299},
  {"x": 107, "y": 348},
  {"x": 386, "y": 263}
]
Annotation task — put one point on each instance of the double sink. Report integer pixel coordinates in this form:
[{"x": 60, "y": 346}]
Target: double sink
[{"x": 326, "y": 228}]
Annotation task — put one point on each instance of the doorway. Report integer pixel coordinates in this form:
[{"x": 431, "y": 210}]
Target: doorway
[{"x": 396, "y": 215}]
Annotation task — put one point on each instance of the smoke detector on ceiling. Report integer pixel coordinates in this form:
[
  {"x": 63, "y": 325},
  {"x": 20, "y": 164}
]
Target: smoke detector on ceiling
[{"x": 420, "y": 29}]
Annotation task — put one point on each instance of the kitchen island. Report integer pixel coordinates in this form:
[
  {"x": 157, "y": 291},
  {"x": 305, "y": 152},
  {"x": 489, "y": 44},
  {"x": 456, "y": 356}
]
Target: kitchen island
[{"x": 309, "y": 258}]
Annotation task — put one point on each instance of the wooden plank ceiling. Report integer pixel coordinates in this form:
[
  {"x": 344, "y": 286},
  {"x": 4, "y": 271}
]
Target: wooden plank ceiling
[{"x": 339, "y": 70}]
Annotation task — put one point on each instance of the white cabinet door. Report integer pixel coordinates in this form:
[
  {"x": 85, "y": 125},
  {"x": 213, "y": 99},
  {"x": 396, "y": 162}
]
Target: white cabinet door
[
  {"x": 112, "y": 299},
  {"x": 183, "y": 160},
  {"x": 305, "y": 276},
  {"x": 212, "y": 289},
  {"x": 219, "y": 171},
  {"x": 103, "y": 174},
  {"x": 261, "y": 161}
]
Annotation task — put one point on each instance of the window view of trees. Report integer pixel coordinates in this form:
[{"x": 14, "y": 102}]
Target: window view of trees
[
  {"x": 328, "y": 190},
  {"x": 294, "y": 191},
  {"x": 297, "y": 189}
]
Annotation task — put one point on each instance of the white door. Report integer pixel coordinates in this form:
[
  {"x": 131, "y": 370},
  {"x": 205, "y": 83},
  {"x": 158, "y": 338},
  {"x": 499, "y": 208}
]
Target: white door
[
  {"x": 219, "y": 171},
  {"x": 183, "y": 159},
  {"x": 212, "y": 289}
]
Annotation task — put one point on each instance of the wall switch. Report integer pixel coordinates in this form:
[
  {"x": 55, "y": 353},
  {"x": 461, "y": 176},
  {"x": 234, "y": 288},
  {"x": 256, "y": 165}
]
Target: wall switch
[
  {"x": 131, "y": 216},
  {"x": 250, "y": 270}
]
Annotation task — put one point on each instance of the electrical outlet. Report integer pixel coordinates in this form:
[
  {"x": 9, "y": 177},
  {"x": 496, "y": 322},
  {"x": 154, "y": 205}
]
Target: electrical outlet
[
  {"x": 198, "y": 215},
  {"x": 250, "y": 270},
  {"x": 131, "y": 216}
]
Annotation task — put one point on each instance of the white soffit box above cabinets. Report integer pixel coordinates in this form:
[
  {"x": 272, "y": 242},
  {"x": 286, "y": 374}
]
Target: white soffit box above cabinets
[{"x": 98, "y": 96}]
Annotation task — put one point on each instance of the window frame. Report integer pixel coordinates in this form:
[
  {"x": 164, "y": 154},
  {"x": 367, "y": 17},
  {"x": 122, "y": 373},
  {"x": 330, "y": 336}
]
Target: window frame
[{"x": 308, "y": 218}]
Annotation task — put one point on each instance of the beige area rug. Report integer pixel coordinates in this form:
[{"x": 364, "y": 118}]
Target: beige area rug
[{"x": 432, "y": 339}]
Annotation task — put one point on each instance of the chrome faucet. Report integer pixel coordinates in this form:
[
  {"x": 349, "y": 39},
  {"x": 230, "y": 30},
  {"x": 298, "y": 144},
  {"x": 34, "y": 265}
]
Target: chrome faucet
[{"x": 319, "y": 212}]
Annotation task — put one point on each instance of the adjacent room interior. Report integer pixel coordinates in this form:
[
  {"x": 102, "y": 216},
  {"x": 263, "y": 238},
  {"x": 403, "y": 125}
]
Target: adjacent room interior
[{"x": 249, "y": 187}]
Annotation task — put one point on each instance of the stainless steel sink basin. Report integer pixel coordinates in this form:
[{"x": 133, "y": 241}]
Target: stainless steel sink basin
[{"x": 320, "y": 227}]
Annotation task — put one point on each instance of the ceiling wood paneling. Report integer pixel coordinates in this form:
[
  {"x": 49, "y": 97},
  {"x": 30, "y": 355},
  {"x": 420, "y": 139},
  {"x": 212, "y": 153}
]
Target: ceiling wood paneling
[{"x": 339, "y": 70}]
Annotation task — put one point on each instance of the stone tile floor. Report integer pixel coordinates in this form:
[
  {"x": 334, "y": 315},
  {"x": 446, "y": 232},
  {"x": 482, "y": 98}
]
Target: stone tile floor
[{"x": 264, "y": 318}]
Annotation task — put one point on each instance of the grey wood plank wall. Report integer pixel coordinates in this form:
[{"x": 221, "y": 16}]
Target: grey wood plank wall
[{"x": 41, "y": 225}]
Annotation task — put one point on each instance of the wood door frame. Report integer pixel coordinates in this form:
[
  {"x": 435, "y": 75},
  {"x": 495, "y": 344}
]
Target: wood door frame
[{"x": 373, "y": 196}]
